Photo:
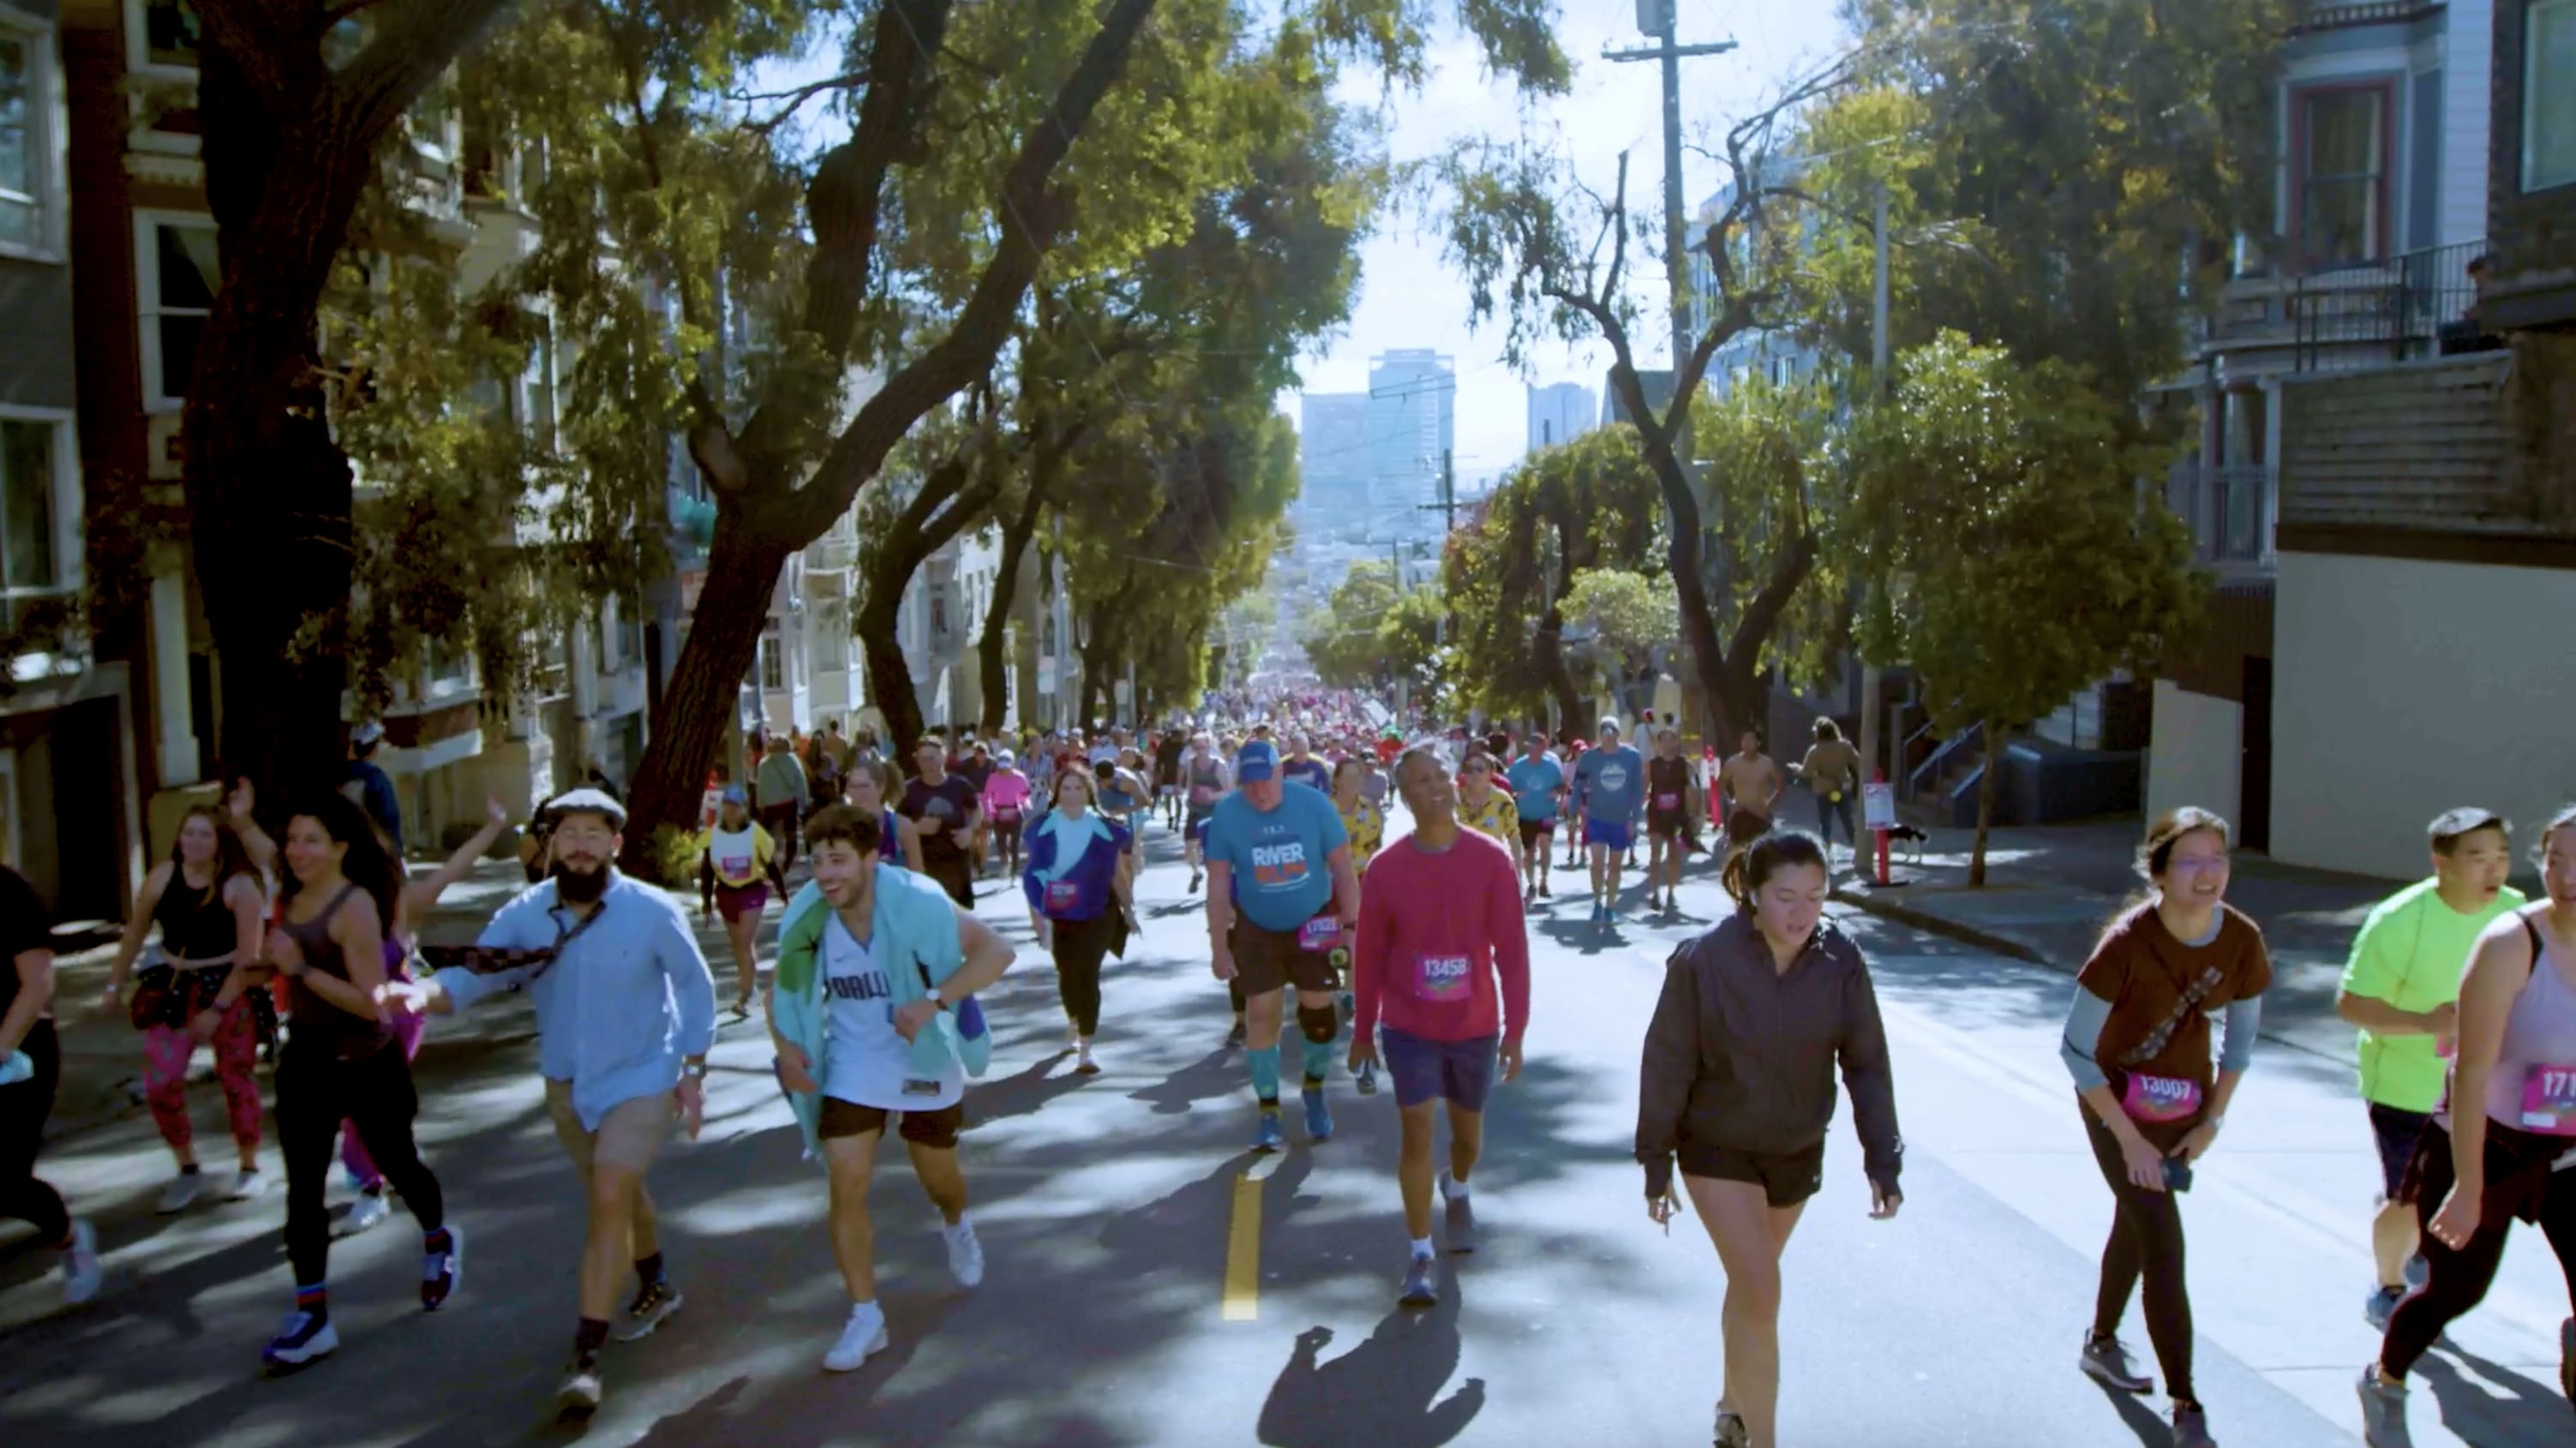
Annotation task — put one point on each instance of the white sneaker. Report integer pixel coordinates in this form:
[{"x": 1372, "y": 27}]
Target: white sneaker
[
  {"x": 81, "y": 1270},
  {"x": 965, "y": 1253},
  {"x": 365, "y": 1212},
  {"x": 182, "y": 1189},
  {"x": 862, "y": 1337},
  {"x": 250, "y": 1186}
]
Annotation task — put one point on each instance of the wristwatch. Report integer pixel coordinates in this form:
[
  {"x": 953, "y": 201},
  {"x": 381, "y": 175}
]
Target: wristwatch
[
  {"x": 935, "y": 998},
  {"x": 694, "y": 1070}
]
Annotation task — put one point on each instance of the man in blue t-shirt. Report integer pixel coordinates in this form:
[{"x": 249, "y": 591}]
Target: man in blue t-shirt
[
  {"x": 1611, "y": 779},
  {"x": 1302, "y": 767},
  {"x": 1282, "y": 903},
  {"x": 1537, "y": 782}
]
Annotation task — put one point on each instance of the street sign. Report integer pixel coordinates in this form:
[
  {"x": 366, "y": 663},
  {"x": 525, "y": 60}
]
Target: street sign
[{"x": 1878, "y": 806}]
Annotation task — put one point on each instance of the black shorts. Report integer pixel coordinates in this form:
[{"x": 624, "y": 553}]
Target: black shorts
[
  {"x": 934, "y": 1129},
  {"x": 2396, "y": 1131},
  {"x": 954, "y": 875},
  {"x": 1265, "y": 960},
  {"x": 1743, "y": 826},
  {"x": 1533, "y": 831},
  {"x": 1786, "y": 1178},
  {"x": 1668, "y": 826}
]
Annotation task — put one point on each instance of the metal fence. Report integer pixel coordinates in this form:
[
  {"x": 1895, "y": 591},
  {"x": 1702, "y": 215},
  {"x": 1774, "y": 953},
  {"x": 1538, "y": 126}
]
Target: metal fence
[{"x": 2370, "y": 313}]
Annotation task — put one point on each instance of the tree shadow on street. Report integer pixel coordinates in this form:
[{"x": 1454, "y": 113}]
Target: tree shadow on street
[
  {"x": 1385, "y": 1393},
  {"x": 2501, "y": 1406}
]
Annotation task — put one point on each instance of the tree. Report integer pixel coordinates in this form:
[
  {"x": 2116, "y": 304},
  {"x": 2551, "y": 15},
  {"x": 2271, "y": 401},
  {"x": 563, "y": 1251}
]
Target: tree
[
  {"x": 1623, "y": 620},
  {"x": 2054, "y": 161},
  {"x": 295, "y": 110},
  {"x": 1411, "y": 649},
  {"x": 1551, "y": 258},
  {"x": 2039, "y": 570},
  {"x": 1342, "y": 643},
  {"x": 1589, "y": 503}
]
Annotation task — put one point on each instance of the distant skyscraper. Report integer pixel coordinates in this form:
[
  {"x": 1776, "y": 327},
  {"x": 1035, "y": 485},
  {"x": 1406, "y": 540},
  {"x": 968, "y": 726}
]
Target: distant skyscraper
[
  {"x": 1559, "y": 413},
  {"x": 1333, "y": 459},
  {"x": 1411, "y": 428}
]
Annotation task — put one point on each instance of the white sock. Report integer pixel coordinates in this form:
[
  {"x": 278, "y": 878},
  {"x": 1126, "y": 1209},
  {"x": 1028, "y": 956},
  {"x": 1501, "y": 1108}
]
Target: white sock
[
  {"x": 1450, "y": 1186},
  {"x": 1422, "y": 1247},
  {"x": 866, "y": 1311}
]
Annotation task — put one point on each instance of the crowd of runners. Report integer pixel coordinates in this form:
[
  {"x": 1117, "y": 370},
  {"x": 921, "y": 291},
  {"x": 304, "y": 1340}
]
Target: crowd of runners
[{"x": 1369, "y": 885}]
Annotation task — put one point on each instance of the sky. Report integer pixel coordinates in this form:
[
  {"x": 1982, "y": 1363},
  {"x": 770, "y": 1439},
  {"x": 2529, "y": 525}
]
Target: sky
[{"x": 1409, "y": 297}]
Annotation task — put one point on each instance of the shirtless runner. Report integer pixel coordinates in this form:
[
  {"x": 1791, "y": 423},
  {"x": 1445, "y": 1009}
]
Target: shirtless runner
[{"x": 1752, "y": 782}]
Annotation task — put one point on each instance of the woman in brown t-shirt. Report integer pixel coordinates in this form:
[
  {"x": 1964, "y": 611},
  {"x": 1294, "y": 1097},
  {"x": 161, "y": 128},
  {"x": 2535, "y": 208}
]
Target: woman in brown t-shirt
[{"x": 2153, "y": 1093}]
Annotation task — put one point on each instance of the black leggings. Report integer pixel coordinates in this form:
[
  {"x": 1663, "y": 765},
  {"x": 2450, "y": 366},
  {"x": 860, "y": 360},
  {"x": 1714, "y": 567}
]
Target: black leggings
[
  {"x": 23, "y": 1109},
  {"x": 2146, "y": 1242},
  {"x": 1080, "y": 947},
  {"x": 316, "y": 1090},
  {"x": 2457, "y": 1281}
]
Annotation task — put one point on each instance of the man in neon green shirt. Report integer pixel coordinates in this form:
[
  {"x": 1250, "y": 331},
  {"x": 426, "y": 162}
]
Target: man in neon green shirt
[{"x": 2402, "y": 987}]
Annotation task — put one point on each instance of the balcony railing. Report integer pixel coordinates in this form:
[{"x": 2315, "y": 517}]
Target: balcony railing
[
  {"x": 2229, "y": 510},
  {"x": 2413, "y": 305}
]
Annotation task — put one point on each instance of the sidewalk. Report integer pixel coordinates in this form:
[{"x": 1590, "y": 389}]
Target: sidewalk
[
  {"x": 102, "y": 1081},
  {"x": 2050, "y": 888}
]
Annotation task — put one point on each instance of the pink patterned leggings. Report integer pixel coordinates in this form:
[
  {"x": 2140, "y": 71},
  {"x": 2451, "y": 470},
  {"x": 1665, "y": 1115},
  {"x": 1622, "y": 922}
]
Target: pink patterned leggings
[{"x": 166, "y": 1051}]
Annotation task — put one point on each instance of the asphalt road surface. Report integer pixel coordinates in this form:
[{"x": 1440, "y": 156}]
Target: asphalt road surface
[{"x": 1149, "y": 1283}]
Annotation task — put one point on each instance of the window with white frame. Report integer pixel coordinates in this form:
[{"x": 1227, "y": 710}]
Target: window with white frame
[
  {"x": 2549, "y": 95},
  {"x": 169, "y": 34},
  {"x": 34, "y": 458},
  {"x": 773, "y": 658},
  {"x": 175, "y": 293},
  {"x": 2340, "y": 166},
  {"x": 832, "y": 636},
  {"x": 27, "y": 223}
]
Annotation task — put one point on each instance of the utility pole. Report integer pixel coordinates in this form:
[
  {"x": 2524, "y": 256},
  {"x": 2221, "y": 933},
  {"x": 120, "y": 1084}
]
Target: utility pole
[
  {"x": 1656, "y": 18},
  {"x": 1873, "y": 702}
]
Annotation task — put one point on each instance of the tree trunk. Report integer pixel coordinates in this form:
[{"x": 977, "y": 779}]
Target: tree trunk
[
  {"x": 268, "y": 491},
  {"x": 705, "y": 693},
  {"x": 889, "y": 672},
  {"x": 1016, "y": 533},
  {"x": 1550, "y": 649},
  {"x": 1992, "y": 735}
]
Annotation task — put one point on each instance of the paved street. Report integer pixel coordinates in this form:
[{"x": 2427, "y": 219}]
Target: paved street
[{"x": 1109, "y": 1208}]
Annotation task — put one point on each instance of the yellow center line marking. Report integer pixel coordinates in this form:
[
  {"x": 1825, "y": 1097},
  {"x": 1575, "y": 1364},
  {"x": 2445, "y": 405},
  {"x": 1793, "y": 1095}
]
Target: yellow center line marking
[{"x": 1242, "y": 1297}]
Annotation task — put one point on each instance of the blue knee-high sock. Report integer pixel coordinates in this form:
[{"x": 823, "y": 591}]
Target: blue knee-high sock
[
  {"x": 1319, "y": 1061},
  {"x": 1265, "y": 1074}
]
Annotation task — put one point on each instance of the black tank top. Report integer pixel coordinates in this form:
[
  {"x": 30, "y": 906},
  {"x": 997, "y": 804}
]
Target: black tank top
[
  {"x": 1667, "y": 777},
  {"x": 318, "y": 1021},
  {"x": 195, "y": 925}
]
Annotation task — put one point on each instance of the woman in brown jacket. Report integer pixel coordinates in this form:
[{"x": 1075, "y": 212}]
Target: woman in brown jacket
[{"x": 1739, "y": 1084}]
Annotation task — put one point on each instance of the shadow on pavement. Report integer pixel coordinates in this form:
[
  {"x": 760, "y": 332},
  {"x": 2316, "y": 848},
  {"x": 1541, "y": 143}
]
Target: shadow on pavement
[
  {"x": 1385, "y": 1393},
  {"x": 2502, "y": 1406},
  {"x": 2137, "y": 1417}
]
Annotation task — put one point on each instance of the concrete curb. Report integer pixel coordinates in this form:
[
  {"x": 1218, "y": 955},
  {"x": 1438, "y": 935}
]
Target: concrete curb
[{"x": 1880, "y": 902}]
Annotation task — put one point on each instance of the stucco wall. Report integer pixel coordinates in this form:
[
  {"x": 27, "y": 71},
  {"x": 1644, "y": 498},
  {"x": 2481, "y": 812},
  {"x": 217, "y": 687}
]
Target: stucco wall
[
  {"x": 2193, "y": 757},
  {"x": 2403, "y": 688}
]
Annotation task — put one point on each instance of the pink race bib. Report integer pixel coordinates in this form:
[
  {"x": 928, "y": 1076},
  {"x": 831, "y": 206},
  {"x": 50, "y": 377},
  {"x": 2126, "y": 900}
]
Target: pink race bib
[
  {"x": 734, "y": 867},
  {"x": 2549, "y": 1100},
  {"x": 2160, "y": 1098},
  {"x": 1441, "y": 979},
  {"x": 1202, "y": 794},
  {"x": 1061, "y": 896},
  {"x": 1321, "y": 933},
  {"x": 1668, "y": 801}
]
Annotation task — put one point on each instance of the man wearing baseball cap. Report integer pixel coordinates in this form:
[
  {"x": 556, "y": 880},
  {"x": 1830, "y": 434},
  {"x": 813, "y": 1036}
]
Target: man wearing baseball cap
[
  {"x": 625, "y": 1014},
  {"x": 1282, "y": 902},
  {"x": 368, "y": 786}
]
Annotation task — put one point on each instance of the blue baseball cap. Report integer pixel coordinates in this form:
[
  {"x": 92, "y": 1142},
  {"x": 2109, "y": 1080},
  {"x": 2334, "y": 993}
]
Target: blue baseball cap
[
  {"x": 1258, "y": 761},
  {"x": 736, "y": 794}
]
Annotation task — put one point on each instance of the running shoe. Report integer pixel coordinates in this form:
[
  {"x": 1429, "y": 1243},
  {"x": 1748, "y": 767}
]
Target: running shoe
[
  {"x": 250, "y": 1186},
  {"x": 365, "y": 1212},
  {"x": 1194, "y": 884},
  {"x": 1268, "y": 1137},
  {"x": 1234, "y": 1037},
  {"x": 441, "y": 1270},
  {"x": 2383, "y": 1411},
  {"x": 2106, "y": 1361},
  {"x": 862, "y": 1337},
  {"x": 182, "y": 1189},
  {"x": 2381, "y": 1302},
  {"x": 652, "y": 1303},
  {"x": 1731, "y": 1432},
  {"x": 305, "y": 1337},
  {"x": 1319, "y": 1117},
  {"x": 1368, "y": 1078},
  {"x": 1419, "y": 1288},
  {"x": 2191, "y": 1427},
  {"x": 82, "y": 1272},
  {"x": 965, "y": 1252},
  {"x": 1083, "y": 1065},
  {"x": 1459, "y": 1216},
  {"x": 581, "y": 1391}
]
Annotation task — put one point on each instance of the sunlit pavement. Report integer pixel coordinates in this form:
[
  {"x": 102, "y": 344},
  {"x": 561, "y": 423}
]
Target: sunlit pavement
[{"x": 1107, "y": 1207}]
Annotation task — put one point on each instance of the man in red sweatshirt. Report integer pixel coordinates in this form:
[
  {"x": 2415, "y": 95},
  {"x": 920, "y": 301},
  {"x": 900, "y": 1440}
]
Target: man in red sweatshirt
[{"x": 1442, "y": 965}]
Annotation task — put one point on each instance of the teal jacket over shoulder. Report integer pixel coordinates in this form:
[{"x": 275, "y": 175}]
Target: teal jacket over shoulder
[{"x": 915, "y": 933}]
